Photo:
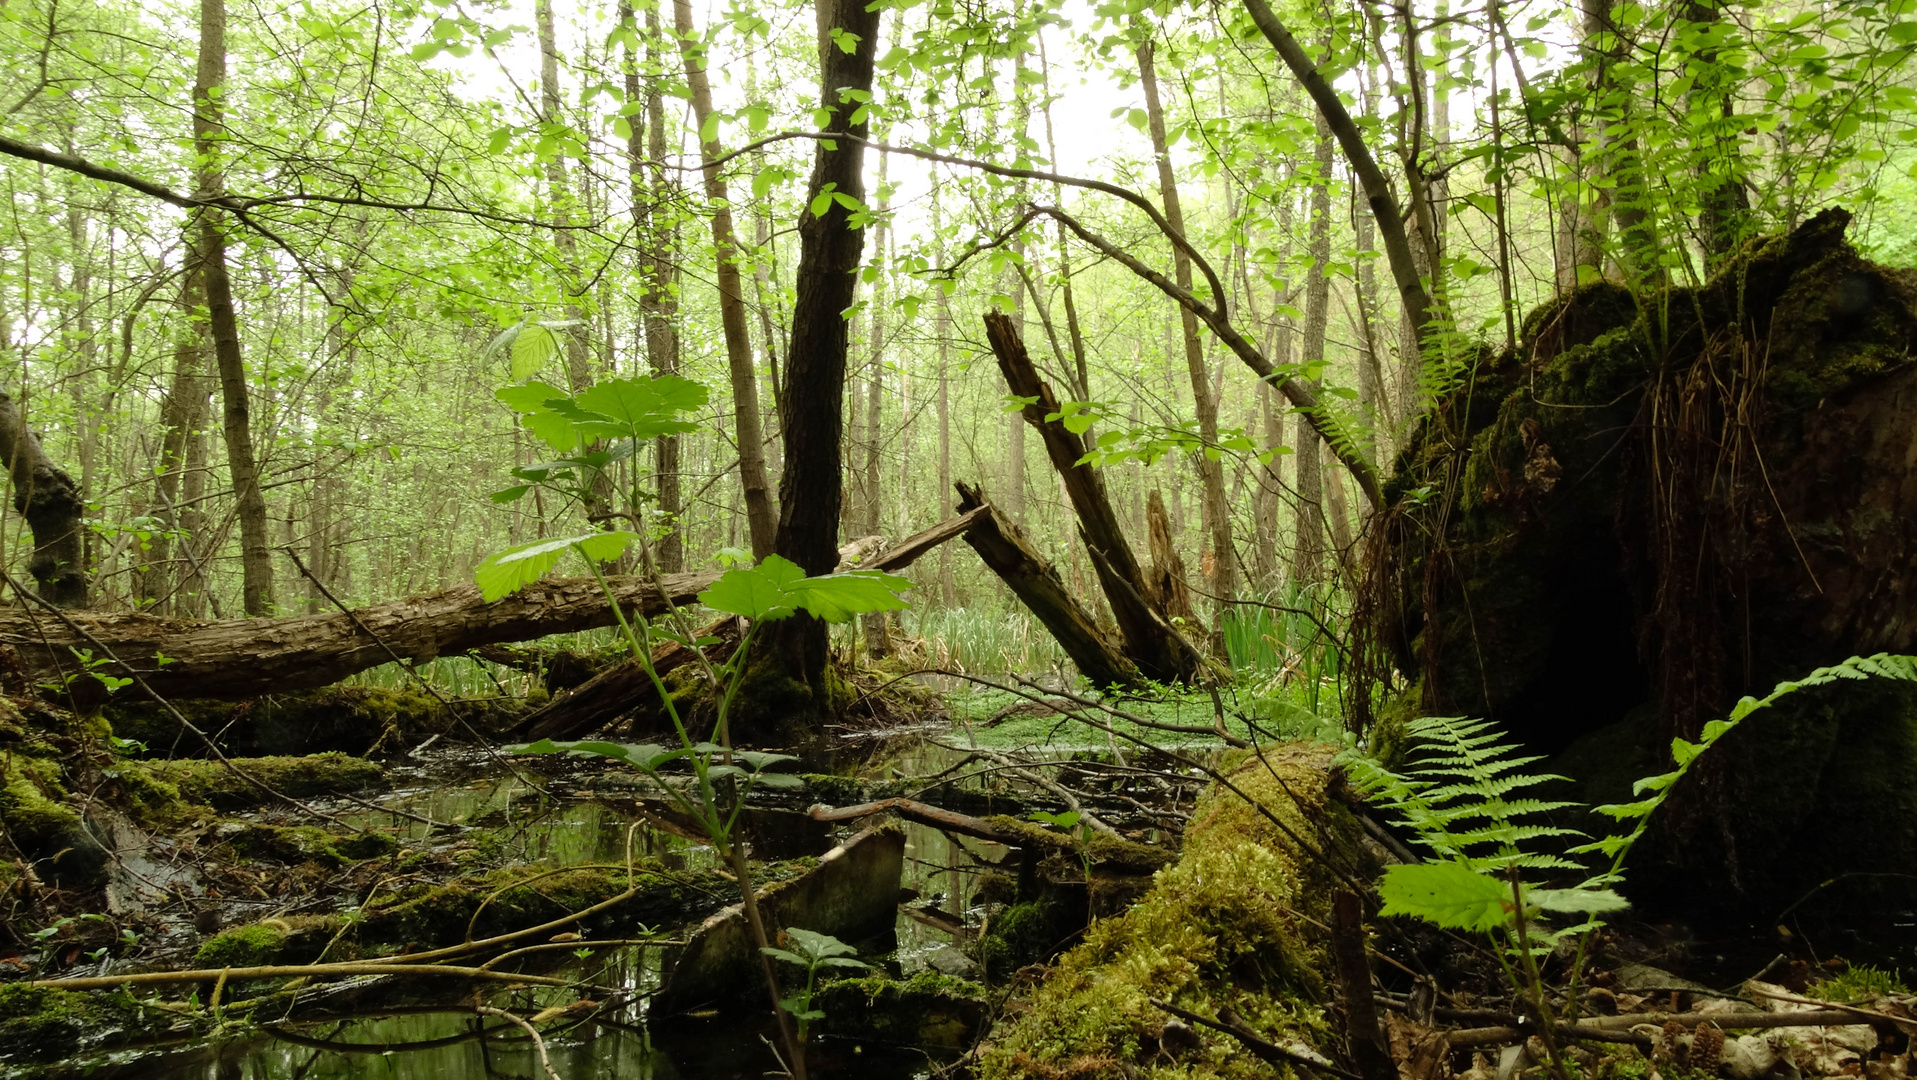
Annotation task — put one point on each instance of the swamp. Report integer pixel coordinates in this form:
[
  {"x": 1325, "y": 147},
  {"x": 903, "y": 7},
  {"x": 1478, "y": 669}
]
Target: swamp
[{"x": 1013, "y": 539}]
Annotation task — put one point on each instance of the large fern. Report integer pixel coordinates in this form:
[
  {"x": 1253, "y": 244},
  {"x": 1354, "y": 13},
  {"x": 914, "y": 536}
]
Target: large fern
[{"x": 1460, "y": 794}]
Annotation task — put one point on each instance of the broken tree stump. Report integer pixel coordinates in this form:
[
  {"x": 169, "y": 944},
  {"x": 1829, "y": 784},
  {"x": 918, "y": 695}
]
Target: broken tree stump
[
  {"x": 1005, "y": 549},
  {"x": 1146, "y": 640}
]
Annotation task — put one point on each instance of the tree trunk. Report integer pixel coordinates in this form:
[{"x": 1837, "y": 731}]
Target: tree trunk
[
  {"x": 760, "y": 519},
  {"x": 1724, "y": 211},
  {"x": 942, "y": 330},
  {"x": 658, "y": 307},
  {"x": 181, "y": 414},
  {"x": 1156, "y": 653},
  {"x": 829, "y": 249},
  {"x": 1617, "y": 155},
  {"x": 877, "y": 641},
  {"x": 1223, "y": 581},
  {"x": 256, "y": 556},
  {"x": 50, "y": 501},
  {"x": 1307, "y": 563},
  {"x": 1168, "y": 588},
  {"x": 1011, "y": 555},
  {"x": 1384, "y": 206}
]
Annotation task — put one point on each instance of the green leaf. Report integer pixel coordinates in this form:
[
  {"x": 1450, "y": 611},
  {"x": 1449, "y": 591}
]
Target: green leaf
[
  {"x": 1450, "y": 894},
  {"x": 756, "y": 592},
  {"x": 532, "y": 348},
  {"x": 1577, "y": 901},
  {"x": 509, "y": 571},
  {"x": 838, "y": 597},
  {"x": 642, "y": 408}
]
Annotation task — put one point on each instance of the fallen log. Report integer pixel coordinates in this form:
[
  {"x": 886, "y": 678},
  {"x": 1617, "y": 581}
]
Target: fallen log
[
  {"x": 1003, "y": 546},
  {"x": 602, "y": 698},
  {"x": 242, "y": 658}
]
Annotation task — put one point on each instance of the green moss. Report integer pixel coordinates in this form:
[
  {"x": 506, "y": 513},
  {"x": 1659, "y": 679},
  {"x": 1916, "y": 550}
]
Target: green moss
[
  {"x": 352, "y": 719},
  {"x": 1220, "y": 928},
  {"x": 40, "y": 1024},
  {"x": 245, "y": 946},
  {"x": 928, "y": 1010},
  {"x": 309, "y": 843},
  {"x": 299, "y": 777}
]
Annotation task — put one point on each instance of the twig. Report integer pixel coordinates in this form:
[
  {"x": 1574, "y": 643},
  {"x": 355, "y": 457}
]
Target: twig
[
  {"x": 539, "y": 1044},
  {"x": 1268, "y": 1051},
  {"x": 288, "y": 971}
]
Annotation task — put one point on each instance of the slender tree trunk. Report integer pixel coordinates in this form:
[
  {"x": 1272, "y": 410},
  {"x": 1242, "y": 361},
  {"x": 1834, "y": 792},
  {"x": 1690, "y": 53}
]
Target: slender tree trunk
[
  {"x": 1222, "y": 583},
  {"x": 760, "y": 516},
  {"x": 942, "y": 330},
  {"x": 877, "y": 641},
  {"x": 1724, "y": 206},
  {"x": 829, "y": 253},
  {"x": 1307, "y": 564},
  {"x": 559, "y": 194},
  {"x": 1617, "y": 154},
  {"x": 181, "y": 413},
  {"x": 658, "y": 305},
  {"x": 256, "y": 556}
]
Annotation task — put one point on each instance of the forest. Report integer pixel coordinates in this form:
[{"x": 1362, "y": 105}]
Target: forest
[{"x": 1046, "y": 539}]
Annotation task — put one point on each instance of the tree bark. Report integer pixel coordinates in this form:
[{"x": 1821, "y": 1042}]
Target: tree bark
[
  {"x": 1211, "y": 472},
  {"x": 747, "y": 429},
  {"x": 811, "y": 488},
  {"x": 658, "y": 307},
  {"x": 1005, "y": 548},
  {"x": 878, "y": 641},
  {"x": 50, "y": 501},
  {"x": 1168, "y": 588},
  {"x": 256, "y": 556},
  {"x": 181, "y": 414},
  {"x": 1308, "y": 552},
  {"x": 242, "y": 658}
]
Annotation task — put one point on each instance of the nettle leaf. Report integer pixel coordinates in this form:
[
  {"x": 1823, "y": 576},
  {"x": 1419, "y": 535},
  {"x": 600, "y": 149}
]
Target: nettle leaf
[
  {"x": 508, "y": 571},
  {"x": 1447, "y": 893}
]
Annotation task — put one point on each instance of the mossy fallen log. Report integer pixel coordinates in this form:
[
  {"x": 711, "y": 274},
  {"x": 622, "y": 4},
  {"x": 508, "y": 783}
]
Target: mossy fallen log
[{"x": 1230, "y": 925}]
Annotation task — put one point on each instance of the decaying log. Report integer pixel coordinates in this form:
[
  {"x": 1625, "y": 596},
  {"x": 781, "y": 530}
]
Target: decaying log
[
  {"x": 1146, "y": 641},
  {"x": 1167, "y": 585},
  {"x": 241, "y": 658},
  {"x": 1003, "y": 546},
  {"x": 611, "y": 692},
  {"x": 50, "y": 501}
]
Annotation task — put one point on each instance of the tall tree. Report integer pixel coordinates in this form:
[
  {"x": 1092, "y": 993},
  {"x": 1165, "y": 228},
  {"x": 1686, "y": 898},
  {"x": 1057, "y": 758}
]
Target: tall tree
[
  {"x": 760, "y": 518},
  {"x": 1307, "y": 562},
  {"x": 1223, "y": 581},
  {"x": 830, "y": 245},
  {"x": 256, "y": 555}
]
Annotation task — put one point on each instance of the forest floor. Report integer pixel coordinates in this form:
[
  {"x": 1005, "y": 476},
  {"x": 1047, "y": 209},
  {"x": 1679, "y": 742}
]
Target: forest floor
[{"x": 434, "y": 908}]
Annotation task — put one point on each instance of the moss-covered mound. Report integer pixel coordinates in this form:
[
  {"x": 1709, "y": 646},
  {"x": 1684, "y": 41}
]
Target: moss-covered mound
[
  {"x": 928, "y": 1011},
  {"x": 206, "y": 781},
  {"x": 40, "y": 1024},
  {"x": 1666, "y": 502},
  {"x": 349, "y": 719},
  {"x": 493, "y": 903},
  {"x": 1224, "y": 927}
]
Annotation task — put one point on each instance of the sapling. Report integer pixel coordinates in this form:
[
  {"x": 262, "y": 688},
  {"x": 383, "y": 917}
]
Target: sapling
[{"x": 596, "y": 428}]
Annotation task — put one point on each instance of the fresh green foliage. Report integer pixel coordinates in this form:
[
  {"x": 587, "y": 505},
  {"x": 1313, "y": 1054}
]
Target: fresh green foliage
[
  {"x": 509, "y": 571},
  {"x": 814, "y": 952},
  {"x": 777, "y": 587}
]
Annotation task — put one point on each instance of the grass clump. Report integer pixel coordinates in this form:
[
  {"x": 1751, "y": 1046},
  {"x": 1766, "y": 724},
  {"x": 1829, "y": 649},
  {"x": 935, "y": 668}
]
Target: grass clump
[
  {"x": 1858, "y": 982},
  {"x": 1220, "y": 928}
]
